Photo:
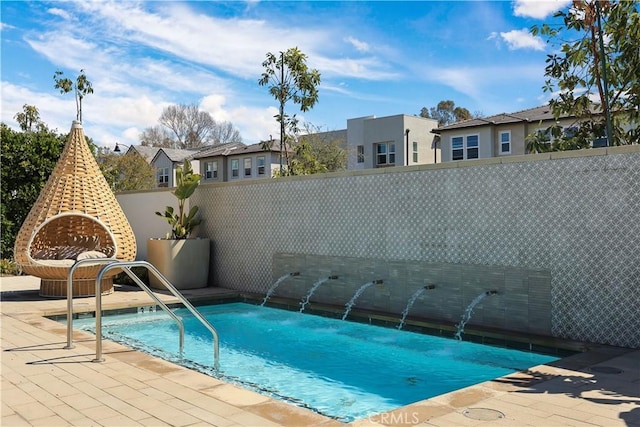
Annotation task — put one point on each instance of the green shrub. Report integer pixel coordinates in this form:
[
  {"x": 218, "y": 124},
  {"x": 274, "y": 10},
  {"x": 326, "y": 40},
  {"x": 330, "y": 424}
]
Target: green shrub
[{"x": 9, "y": 267}]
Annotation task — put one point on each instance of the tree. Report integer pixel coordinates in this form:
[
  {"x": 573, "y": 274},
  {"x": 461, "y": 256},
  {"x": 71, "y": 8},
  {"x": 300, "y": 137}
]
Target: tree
[
  {"x": 446, "y": 113},
  {"x": 289, "y": 79},
  {"x": 594, "y": 77},
  {"x": 224, "y": 132},
  {"x": 82, "y": 88},
  {"x": 126, "y": 172},
  {"x": 192, "y": 128},
  {"x": 326, "y": 147},
  {"x": 29, "y": 117},
  {"x": 27, "y": 158},
  {"x": 156, "y": 136}
]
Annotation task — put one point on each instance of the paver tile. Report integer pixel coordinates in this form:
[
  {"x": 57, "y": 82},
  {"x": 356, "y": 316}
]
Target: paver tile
[
  {"x": 54, "y": 386},
  {"x": 14, "y": 420},
  {"x": 50, "y": 421},
  {"x": 119, "y": 421},
  {"x": 80, "y": 401},
  {"x": 33, "y": 410},
  {"x": 211, "y": 417},
  {"x": 123, "y": 407}
]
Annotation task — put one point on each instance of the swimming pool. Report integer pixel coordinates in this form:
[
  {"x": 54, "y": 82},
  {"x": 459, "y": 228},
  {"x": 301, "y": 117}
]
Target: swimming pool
[{"x": 341, "y": 369}]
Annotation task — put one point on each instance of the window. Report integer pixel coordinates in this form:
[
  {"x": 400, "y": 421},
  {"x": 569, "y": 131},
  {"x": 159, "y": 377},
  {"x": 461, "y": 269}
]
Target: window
[
  {"x": 247, "y": 167},
  {"x": 465, "y": 147},
  {"x": 360, "y": 149},
  {"x": 235, "y": 167},
  {"x": 571, "y": 131},
  {"x": 385, "y": 154},
  {"x": 260, "y": 163},
  {"x": 599, "y": 142},
  {"x": 415, "y": 152},
  {"x": 505, "y": 142},
  {"x": 544, "y": 136},
  {"x": 472, "y": 147},
  {"x": 457, "y": 151},
  {"x": 163, "y": 177},
  {"x": 211, "y": 170}
]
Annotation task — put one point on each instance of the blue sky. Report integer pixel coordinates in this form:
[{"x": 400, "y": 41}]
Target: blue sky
[{"x": 376, "y": 58}]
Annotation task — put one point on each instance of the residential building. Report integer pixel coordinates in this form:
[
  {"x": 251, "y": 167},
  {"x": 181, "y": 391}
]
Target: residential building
[
  {"x": 399, "y": 140},
  {"x": 500, "y": 135},
  {"x": 254, "y": 162},
  {"x": 167, "y": 160},
  {"x": 213, "y": 161},
  {"x": 147, "y": 153},
  {"x": 370, "y": 142}
]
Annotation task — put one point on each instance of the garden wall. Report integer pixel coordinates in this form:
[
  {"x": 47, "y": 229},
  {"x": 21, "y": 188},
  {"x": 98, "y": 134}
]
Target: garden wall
[{"x": 557, "y": 235}]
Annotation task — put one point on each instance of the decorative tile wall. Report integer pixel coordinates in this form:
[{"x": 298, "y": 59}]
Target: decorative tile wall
[{"x": 575, "y": 218}]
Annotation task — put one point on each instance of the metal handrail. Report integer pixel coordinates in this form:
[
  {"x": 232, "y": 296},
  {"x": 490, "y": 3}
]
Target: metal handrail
[
  {"x": 70, "y": 293},
  {"x": 149, "y": 292},
  {"x": 125, "y": 266},
  {"x": 135, "y": 278}
]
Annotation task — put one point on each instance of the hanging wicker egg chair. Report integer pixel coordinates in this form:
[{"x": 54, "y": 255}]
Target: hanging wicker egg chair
[{"x": 76, "y": 216}]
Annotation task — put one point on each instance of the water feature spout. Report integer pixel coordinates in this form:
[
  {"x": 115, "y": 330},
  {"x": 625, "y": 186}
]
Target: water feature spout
[
  {"x": 469, "y": 311},
  {"x": 355, "y": 296},
  {"x": 315, "y": 286},
  {"x": 275, "y": 285},
  {"x": 412, "y": 300}
]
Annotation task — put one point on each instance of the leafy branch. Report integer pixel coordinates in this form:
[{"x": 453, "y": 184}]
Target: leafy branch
[{"x": 82, "y": 87}]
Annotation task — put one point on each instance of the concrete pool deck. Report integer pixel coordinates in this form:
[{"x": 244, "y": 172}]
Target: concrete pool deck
[{"x": 46, "y": 385}]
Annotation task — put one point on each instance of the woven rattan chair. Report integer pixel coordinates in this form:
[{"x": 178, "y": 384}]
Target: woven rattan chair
[{"x": 76, "y": 216}]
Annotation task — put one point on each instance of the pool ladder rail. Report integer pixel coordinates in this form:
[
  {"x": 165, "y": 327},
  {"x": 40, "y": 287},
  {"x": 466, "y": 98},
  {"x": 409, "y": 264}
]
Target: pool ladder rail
[{"x": 112, "y": 263}]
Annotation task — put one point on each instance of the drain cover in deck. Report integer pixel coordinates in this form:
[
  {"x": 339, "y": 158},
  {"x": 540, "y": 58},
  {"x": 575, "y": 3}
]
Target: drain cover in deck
[
  {"x": 606, "y": 370},
  {"x": 482, "y": 414}
]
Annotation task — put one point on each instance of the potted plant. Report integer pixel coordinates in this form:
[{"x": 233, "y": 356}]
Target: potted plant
[{"x": 184, "y": 261}]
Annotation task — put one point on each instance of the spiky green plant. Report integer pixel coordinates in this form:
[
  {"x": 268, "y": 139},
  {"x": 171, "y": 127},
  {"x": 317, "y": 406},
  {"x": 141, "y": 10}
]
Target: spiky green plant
[{"x": 182, "y": 223}]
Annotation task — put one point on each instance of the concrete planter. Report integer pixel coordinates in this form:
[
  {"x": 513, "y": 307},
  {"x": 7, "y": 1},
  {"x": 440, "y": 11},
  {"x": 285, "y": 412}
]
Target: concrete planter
[{"x": 185, "y": 263}]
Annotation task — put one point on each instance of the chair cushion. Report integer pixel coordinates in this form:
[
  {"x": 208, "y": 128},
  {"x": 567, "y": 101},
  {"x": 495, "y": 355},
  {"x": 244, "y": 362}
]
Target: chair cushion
[
  {"x": 69, "y": 252},
  {"x": 91, "y": 255},
  {"x": 64, "y": 263},
  {"x": 47, "y": 253}
]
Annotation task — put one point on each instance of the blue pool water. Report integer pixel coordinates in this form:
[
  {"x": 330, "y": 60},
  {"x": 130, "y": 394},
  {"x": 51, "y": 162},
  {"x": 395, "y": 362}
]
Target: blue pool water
[{"x": 341, "y": 369}]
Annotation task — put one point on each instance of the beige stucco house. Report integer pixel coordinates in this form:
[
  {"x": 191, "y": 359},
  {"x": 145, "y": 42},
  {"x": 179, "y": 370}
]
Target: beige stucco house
[
  {"x": 253, "y": 161},
  {"x": 213, "y": 161},
  {"x": 399, "y": 140},
  {"x": 500, "y": 135}
]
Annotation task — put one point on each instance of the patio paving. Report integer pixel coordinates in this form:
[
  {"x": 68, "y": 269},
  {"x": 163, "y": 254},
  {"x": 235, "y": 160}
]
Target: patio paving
[{"x": 44, "y": 384}]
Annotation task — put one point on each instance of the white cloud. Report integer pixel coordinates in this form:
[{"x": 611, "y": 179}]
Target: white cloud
[
  {"x": 254, "y": 123},
  {"x": 478, "y": 82},
  {"x": 369, "y": 68},
  {"x": 538, "y": 9},
  {"x": 59, "y": 12},
  {"x": 522, "y": 39},
  {"x": 213, "y": 42},
  {"x": 214, "y": 105},
  {"x": 358, "y": 44}
]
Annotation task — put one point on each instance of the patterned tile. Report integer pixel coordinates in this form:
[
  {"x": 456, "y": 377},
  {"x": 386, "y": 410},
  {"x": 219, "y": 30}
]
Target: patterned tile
[{"x": 576, "y": 218}]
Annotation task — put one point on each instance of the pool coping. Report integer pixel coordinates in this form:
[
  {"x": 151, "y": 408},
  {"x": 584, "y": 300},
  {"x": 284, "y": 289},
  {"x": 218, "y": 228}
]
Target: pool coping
[{"x": 536, "y": 397}]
